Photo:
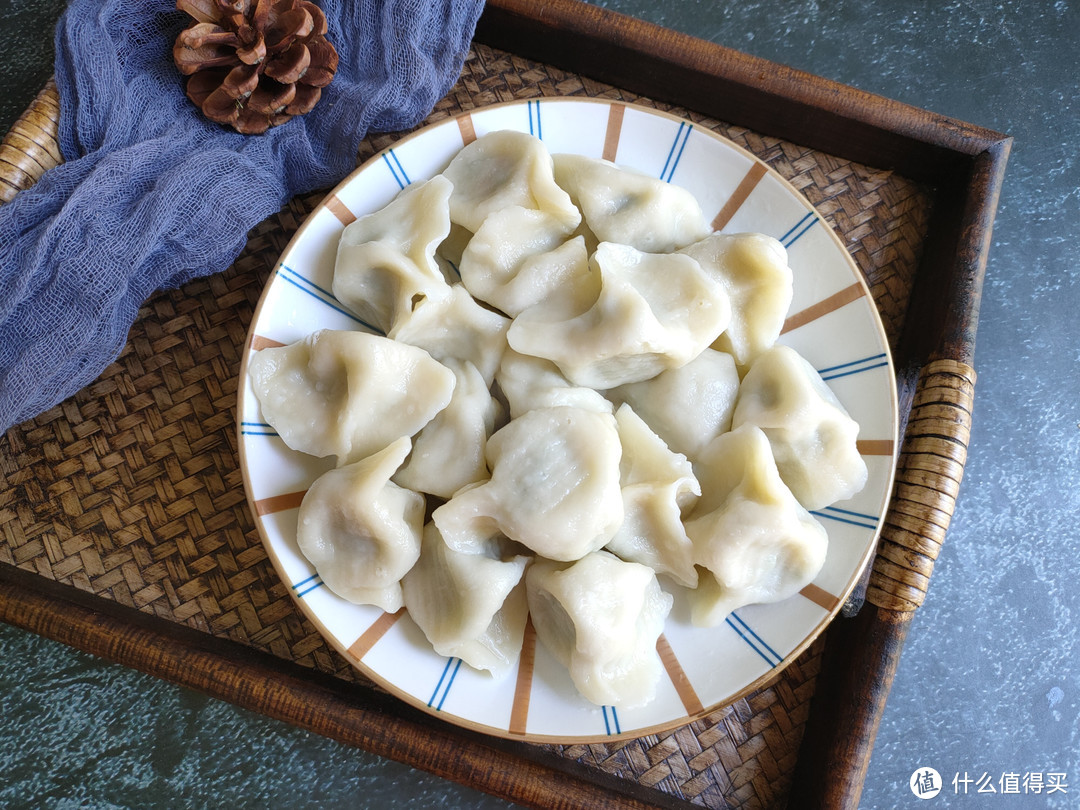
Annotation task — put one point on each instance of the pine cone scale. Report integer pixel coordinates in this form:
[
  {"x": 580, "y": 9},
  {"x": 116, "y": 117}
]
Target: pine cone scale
[
  {"x": 317, "y": 17},
  {"x": 261, "y": 15},
  {"x": 269, "y": 100},
  {"x": 241, "y": 81},
  {"x": 191, "y": 60},
  {"x": 292, "y": 25},
  {"x": 219, "y": 106},
  {"x": 306, "y": 98},
  {"x": 209, "y": 33},
  {"x": 253, "y": 54},
  {"x": 324, "y": 62},
  {"x": 201, "y": 10},
  {"x": 290, "y": 66}
]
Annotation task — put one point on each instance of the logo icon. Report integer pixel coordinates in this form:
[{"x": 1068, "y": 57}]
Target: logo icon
[{"x": 925, "y": 783}]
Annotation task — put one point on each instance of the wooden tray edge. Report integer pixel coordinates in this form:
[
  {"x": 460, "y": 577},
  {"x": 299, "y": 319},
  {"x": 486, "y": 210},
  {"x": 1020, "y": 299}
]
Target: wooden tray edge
[
  {"x": 749, "y": 91},
  {"x": 967, "y": 164}
]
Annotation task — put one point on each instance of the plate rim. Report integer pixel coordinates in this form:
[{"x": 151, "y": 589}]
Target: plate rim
[{"x": 505, "y": 733}]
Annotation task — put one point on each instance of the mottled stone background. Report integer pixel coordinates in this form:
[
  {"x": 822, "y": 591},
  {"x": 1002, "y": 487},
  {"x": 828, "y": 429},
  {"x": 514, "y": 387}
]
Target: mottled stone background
[{"x": 990, "y": 680}]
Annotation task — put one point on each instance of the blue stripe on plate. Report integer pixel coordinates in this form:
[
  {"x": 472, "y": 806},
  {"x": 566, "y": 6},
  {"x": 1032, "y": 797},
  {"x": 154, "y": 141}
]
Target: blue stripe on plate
[
  {"x": 319, "y": 294},
  {"x": 871, "y": 518},
  {"x": 451, "y": 670},
  {"x": 753, "y": 640},
  {"x": 611, "y": 725},
  {"x": 845, "y": 516},
  {"x": 798, "y": 229},
  {"x": 306, "y": 586},
  {"x": 854, "y": 367},
  {"x": 535, "y": 127},
  {"x": 257, "y": 429},
  {"x": 758, "y": 638},
  {"x": 682, "y": 135},
  {"x": 395, "y": 167}
]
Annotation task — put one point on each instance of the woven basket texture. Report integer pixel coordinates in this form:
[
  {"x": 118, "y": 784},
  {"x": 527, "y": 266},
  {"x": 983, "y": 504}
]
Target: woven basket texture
[{"x": 131, "y": 489}]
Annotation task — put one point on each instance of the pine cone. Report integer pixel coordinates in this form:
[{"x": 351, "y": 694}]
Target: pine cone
[{"x": 254, "y": 64}]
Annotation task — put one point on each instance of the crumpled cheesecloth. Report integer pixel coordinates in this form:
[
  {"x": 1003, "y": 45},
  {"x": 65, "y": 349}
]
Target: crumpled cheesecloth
[{"x": 151, "y": 194}]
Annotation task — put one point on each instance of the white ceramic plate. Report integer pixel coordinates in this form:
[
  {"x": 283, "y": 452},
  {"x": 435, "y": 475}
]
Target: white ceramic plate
[{"x": 833, "y": 323}]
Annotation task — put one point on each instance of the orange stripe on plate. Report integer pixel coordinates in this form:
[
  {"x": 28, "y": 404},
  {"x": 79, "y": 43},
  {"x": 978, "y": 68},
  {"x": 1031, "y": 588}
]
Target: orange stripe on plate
[
  {"x": 258, "y": 343},
  {"x": 875, "y": 447},
  {"x": 340, "y": 210},
  {"x": 614, "y": 131},
  {"x": 370, "y": 637},
  {"x": 279, "y": 503},
  {"x": 685, "y": 690},
  {"x": 468, "y": 131},
  {"x": 820, "y": 596},
  {"x": 519, "y": 711},
  {"x": 738, "y": 197},
  {"x": 822, "y": 308}
]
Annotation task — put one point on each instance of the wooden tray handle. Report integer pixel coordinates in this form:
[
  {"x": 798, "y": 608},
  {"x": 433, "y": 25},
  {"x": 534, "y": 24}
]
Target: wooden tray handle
[
  {"x": 31, "y": 146},
  {"x": 862, "y": 653},
  {"x": 928, "y": 475}
]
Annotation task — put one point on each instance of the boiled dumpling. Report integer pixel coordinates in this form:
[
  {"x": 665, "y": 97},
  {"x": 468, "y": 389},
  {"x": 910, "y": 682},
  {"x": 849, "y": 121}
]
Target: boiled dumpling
[
  {"x": 601, "y": 617},
  {"x": 520, "y": 257},
  {"x": 361, "y": 531},
  {"x": 753, "y": 269},
  {"x": 554, "y": 486},
  {"x": 654, "y": 311},
  {"x": 686, "y": 406},
  {"x": 348, "y": 394},
  {"x": 471, "y": 606},
  {"x": 386, "y": 260},
  {"x": 501, "y": 169},
  {"x": 456, "y": 327},
  {"x": 530, "y": 382},
  {"x": 448, "y": 452},
  {"x": 753, "y": 540},
  {"x": 657, "y": 485},
  {"x": 631, "y": 208},
  {"x": 812, "y": 436}
]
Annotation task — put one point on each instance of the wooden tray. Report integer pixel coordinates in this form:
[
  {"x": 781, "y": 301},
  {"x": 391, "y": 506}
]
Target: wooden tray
[{"x": 126, "y": 534}]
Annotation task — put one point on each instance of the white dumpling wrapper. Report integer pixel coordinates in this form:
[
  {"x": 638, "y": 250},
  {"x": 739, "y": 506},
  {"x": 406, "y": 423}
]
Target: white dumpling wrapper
[
  {"x": 686, "y": 406},
  {"x": 629, "y": 207},
  {"x": 361, "y": 531},
  {"x": 654, "y": 311},
  {"x": 657, "y": 485},
  {"x": 754, "y": 270},
  {"x": 756, "y": 542},
  {"x": 812, "y": 436},
  {"x": 386, "y": 260},
  {"x": 601, "y": 618},
  {"x": 469, "y": 606},
  {"x": 456, "y": 327},
  {"x": 519, "y": 257},
  {"x": 347, "y": 394},
  {"x": 529, "y": 382},
  {"x": 448, "y": 452},
  {"x": 501, "y": 169},
  {"x": 554, "y": 486}
]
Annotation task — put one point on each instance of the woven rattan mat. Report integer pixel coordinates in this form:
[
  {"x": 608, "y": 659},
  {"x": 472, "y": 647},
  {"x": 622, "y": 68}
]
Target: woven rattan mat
[{"x": 131, "y": 489}]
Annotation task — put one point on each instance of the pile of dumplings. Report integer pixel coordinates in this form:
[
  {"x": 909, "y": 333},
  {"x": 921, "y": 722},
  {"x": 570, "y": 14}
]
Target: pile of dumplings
[{"x": 577, "y": 408}]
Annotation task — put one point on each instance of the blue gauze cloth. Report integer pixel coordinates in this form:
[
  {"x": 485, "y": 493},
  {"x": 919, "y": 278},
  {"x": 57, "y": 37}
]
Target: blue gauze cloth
[{"x": 151, "y": 194}]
